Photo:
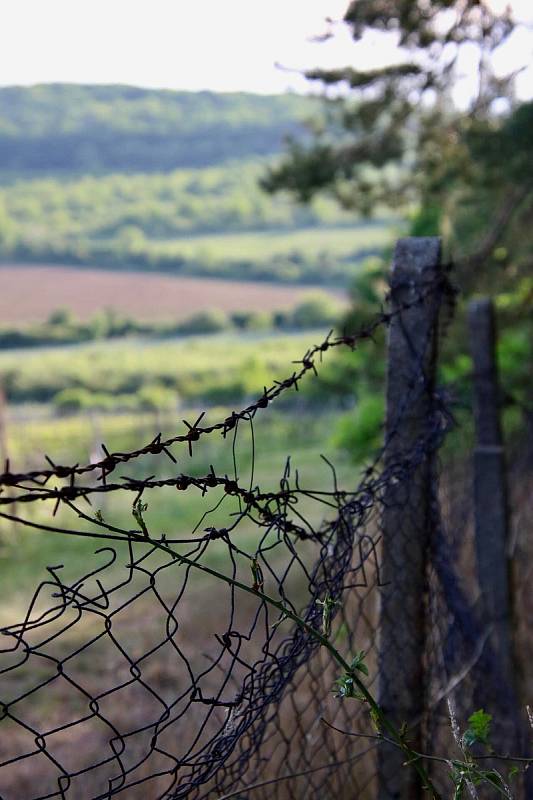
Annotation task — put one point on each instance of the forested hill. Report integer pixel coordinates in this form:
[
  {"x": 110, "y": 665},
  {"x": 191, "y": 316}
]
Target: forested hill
[
  {"x": 121, "y": 177},
  {"x": 65, "y": 128}
]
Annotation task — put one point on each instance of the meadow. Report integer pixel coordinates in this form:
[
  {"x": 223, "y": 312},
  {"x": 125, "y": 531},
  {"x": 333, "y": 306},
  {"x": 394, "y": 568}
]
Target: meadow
[
  {"x": 215, "y": 369},
  {"x": 302, "y": 435},
  {"x": 340, "y": 242},
  {"x": 216, "y": 373}
]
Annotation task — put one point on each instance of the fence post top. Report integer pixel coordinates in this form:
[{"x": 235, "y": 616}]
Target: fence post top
[
  {"x": 481, "y": 305},
  {"x": 415, "y": 254}
]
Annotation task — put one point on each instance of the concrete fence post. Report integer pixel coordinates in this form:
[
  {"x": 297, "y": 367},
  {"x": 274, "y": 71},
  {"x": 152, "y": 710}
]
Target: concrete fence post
[
  {"x": 491, "y": 531},
  {"x": 490, "y": 490},
  {"x": 412, "y": 347}
]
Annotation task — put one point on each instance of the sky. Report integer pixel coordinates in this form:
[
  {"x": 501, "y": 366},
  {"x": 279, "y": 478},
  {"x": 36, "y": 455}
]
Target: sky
[{"x": 223, "y": 45}]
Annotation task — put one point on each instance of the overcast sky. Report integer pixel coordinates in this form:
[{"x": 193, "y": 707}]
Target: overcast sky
[{"x": 224, "y": 45}]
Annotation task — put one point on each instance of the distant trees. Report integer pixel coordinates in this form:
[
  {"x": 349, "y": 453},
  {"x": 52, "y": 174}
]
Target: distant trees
[
  {"x": 136, "y": 221},
  {"x": 91, "y": 184},
  {"x": 66, "y": 128},
  {"x": 316, "y": 310},
  {"x": 159, "y": 206}
]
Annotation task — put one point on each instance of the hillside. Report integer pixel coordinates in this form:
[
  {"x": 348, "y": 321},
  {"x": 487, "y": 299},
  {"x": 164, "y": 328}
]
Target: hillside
[
  {"x": 64, "y": 128},
  {"x": 118, "y": 177}
]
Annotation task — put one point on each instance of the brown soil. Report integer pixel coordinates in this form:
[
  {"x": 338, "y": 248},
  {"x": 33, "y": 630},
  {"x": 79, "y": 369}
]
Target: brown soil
[{"x": 31, "y": 293}]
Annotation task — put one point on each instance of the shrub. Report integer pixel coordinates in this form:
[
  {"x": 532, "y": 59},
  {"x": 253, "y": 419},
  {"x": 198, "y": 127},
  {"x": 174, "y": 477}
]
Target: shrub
[
  {"x": 210, "y": 321},
  {"x": 156, "y": 397},
  {"x": 61, "y": 316},
  {"x": 252, "y": 320},
  {"x": 77, "y": 399},
  {"x": 317, "y": 309},
  {"x": 74, "y": 399},
  {"x": 359, "y": 432},
  {"x": 224, "y": 393}
]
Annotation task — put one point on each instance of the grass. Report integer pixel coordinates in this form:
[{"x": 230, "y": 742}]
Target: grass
[
  {"x": 33, "y": 431},
  {"x": 203, "y": 369},
  {"x": 25, "y": 553},
  {"x": 336, "y": 241},
  {"x": 203, "y": 610}
]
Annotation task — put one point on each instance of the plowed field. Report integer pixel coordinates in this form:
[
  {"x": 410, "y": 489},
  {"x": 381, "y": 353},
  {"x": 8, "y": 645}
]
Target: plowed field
[{"x": 31, "y": 293}]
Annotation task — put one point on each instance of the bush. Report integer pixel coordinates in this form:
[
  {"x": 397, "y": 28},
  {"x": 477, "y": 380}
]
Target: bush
[
  {"x": 224, "y": 393},
  {"x": 252, "y": 320},
  {"x": 360, "y": 432},
  {"x": 156, "y": 397},
  {"x": 61, "y": 316},
  {"x": 77, "y": 399},
  {"x": 317, "y": 309},
  {"x": 210, "y": 321},
  {"x": 69, "y": 401}
]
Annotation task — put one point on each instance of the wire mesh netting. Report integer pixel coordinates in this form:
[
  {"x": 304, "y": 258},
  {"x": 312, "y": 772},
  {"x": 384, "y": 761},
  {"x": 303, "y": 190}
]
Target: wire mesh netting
[{"x": 193, "y": 666}]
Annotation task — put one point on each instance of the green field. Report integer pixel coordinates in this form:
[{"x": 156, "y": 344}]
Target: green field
[
  {"x": 334, "y": 241},
  {"x": 25, "y": 553},
  {"x": 217, "y": 369},
  {"x": 213, "y": 221},
  {"x": 288, "y": 428}
]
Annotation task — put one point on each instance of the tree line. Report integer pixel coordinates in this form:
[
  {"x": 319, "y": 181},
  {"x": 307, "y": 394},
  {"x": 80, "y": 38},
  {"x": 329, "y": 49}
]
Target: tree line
[
  {"x": 142, "y": 221},
  {"x": 64, "y": 128}
]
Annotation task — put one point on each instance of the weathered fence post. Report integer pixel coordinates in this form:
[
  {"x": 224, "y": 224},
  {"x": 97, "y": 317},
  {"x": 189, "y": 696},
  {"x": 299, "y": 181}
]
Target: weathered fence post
[
  {"x": 490, "y": 495},
  {"x": 491, "y": 515},
  {"x": 511, "y": 732},
  {"x": 406, "y": 518}
]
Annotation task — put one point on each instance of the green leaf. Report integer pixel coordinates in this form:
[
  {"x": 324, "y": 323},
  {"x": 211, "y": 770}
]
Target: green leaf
[
  {"x": 346, "y": 687},
  {"x": 328, "y": 604},
  {"x": 459, "y": 789},
  {"x": 375, "y": 718},
  {"x": 358, "y": 662},
  {"x": 137, "y": 511},
  {"x": 494, "y": 779},
  {"x": 469, "y": 738},
  {"x": 479, "y": 728}
]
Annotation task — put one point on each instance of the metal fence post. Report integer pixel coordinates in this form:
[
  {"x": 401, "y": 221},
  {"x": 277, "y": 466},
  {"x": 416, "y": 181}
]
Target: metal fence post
[
  {"x": 405, "y": 525},
  {"x": 490, "y": 491}
]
